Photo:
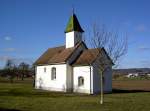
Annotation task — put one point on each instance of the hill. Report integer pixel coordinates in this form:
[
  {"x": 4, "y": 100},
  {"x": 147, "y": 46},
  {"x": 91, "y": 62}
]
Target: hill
[{"x": 131, "y": 70}]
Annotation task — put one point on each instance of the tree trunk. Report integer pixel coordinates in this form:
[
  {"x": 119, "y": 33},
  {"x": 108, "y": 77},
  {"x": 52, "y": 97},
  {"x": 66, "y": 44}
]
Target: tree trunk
[
  {"x": 22, "y": 78},
  {"x": 101, "y": 82}
]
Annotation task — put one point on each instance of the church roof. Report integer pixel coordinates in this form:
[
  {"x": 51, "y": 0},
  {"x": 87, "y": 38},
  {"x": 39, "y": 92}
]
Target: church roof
[
  {"x": 56, "y": 55},
  {"x": 62, "y": 56},
  {"x": 87, "y": 57},
  {"x": 48, "y": 55},
  {"x": 73, "y": 25}
]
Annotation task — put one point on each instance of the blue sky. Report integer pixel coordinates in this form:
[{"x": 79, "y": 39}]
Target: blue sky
[{"x": 29, "y": 27}]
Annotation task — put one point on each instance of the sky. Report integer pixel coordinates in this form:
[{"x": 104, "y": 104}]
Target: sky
[{"x": 29, "y": 27}]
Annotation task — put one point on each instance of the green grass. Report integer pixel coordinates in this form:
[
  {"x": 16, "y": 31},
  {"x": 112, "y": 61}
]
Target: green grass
[{"x": 22, "y": 96}]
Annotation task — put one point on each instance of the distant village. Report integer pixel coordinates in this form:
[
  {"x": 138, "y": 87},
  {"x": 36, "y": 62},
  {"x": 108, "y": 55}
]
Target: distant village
[{"x": 132, "y": 73}]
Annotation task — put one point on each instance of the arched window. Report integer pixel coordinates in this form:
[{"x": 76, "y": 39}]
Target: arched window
[
  {"x": 44, "y": 69},
  {"x": 80, "y": 81},
  {"x": 53, "y": 73}
]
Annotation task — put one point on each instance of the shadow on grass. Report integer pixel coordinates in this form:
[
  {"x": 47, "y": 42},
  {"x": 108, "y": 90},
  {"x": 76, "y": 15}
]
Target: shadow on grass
[
  {"x": 17, "y": 81},
  {"x": 128, "y": 91},
  {"x": 38, "y": 93},
  {"x": 4, "y": 109}
]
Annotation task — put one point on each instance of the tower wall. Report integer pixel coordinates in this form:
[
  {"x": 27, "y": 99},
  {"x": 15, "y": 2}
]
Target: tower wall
[{"x": 72, "y": 38}]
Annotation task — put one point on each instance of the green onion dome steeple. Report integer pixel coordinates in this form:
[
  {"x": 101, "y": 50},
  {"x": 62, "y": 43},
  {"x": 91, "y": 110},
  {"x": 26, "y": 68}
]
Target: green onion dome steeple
[{"x": 73, "y": 25}]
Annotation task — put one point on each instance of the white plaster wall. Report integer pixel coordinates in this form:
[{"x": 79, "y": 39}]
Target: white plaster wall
[
  {"x": 69, "y": 78},
  {"x": 69, "y": 39},
  {"x": 108, "y": 79},
  {"x": 70, "y": 68},
  {"x": 96, "y": 79},
  {"x": 43, "y": 79},
  {"x": 83, "y": 71},
  {"x": 72, "y": 38},
  {"x": 107, "y": 76},
  {"x": 107, "y": 85}
]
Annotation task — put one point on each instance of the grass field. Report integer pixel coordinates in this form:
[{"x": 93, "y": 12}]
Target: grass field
[{"x": 20, "y": 96}]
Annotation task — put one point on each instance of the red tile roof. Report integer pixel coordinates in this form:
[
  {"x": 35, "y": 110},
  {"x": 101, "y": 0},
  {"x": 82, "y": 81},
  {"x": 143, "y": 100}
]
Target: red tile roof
[
  {"x": 87, "y": 57},
  {"x": 57, "y": 55},
  {"x": 48, "y": 55},
  {"x": 61, "y": 55}
]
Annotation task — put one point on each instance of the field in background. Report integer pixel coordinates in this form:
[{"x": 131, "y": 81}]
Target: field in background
[
  {"x": 21, "y": 96},
  {"x": 123, "y": 77},
  {"x": 135, "y": 85}
]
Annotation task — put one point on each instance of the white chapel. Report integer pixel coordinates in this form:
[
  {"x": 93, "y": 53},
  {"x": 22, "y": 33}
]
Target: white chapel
[{"x": 72, "y": 67}]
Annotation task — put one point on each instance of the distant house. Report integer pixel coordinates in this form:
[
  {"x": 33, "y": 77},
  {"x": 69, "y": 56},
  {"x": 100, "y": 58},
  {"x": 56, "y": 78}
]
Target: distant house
[
  {"x": 144, "y": 74},
  {"x": 72, "y": 67},
  {"x": 132, "y": 75},
  {"x": 133, "y": 72},
  {"x": 138, "y": 74},
  {"x": 148, "y": 74}
]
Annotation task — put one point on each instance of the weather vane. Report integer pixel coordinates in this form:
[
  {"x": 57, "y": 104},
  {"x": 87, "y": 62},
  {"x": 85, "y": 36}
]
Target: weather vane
[{"x": 72, "y": 9}]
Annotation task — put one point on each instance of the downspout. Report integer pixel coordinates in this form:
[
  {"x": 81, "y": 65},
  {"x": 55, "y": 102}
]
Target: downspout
[
  {"x": 90, "y": 80},
  {"x": 72, "y": 79},
  {"x": 66, "y": 89},
  {"x": 35, "y": 75}
]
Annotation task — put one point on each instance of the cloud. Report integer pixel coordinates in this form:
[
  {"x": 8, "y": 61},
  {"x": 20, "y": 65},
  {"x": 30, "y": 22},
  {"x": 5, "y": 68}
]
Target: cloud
[
  {"x": 141, "y": 28},
  {"x": 7, "y": 38},
  {"x": 144, "y": 48},
  {"x": 10, "y": 49}
]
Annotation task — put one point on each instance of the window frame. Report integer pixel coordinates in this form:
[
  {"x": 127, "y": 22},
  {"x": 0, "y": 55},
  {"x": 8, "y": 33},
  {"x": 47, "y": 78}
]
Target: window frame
[
  {"x": 45, "y": 69},
  {"x": 80, "y": 81},
  {"x": 53, "y": 73}
]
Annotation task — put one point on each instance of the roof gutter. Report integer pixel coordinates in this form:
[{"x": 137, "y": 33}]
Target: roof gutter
[{"x": 50, "y": 64}]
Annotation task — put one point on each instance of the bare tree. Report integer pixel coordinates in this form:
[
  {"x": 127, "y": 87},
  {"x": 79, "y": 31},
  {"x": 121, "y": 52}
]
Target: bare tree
[
  {"x": 23, "y": 69},
  {"x": 115, "y": 46},
  {"x": 10, "y": 69}
]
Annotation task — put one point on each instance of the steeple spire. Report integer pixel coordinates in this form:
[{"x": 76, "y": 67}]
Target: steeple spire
[
  {"x": 73, "y": 24},
  {"x": 72, "y": 10},
  {"x": 73, "y": 31}
]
